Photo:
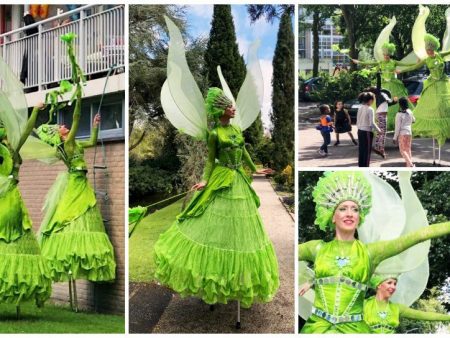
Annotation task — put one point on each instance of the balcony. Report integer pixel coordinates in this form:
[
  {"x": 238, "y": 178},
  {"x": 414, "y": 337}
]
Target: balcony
[{"x": 100, "y": 45}]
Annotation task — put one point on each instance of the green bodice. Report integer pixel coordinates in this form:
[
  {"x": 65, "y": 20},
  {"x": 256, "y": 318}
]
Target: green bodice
[
  {"x": 388, "y": 70},
  {"x": 73, "y": 156},
  {"x": 230, "y": 146},
  {"x": 382, "y": 317},
  {"x": 342, "y": 272},
  {"x": 436, "y": 66}
]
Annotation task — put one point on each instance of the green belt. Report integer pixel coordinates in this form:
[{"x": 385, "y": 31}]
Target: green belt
[
  {"x": 381, "y": 326},
  {"x": 344, "y": 280},
  {"x": 337, "y": 319},
  {"x": 231, "y": 165}
]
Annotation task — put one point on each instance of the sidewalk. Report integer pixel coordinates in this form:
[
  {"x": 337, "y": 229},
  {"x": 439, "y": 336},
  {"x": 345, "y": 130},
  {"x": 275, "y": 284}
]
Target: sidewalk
[
  {"x": 346, "y": 154},
  {"x": 191, "y": 315}
]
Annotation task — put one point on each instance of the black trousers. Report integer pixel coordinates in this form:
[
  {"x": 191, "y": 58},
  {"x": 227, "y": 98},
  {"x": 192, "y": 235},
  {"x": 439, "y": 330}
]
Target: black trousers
[{"x": 365, "y": 139}]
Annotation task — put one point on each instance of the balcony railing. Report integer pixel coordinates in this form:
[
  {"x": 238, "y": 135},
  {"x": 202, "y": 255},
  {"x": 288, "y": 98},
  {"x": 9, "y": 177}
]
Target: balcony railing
[{"x": 100, "y": 44}]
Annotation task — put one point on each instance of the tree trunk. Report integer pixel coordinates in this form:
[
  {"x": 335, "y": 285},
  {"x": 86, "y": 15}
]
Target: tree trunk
[
  {"x": 315, "y": 32},
  {"x": 347, "y": 13}
]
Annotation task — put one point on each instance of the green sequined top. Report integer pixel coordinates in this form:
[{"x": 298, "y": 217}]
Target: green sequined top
[
  {"x": 384, "y": 317},
  {"x": 435, "y": 64}
]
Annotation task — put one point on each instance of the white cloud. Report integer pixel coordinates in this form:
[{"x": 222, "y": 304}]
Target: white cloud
[
  {"x": 243, "y": 44},
  {"x": 203, "y": 11}
]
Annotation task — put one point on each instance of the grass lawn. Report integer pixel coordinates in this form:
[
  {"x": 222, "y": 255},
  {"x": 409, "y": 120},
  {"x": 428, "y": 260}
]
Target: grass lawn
[
  {"x": 141, "y": 243},
  {"x": 56, "y": 319}
]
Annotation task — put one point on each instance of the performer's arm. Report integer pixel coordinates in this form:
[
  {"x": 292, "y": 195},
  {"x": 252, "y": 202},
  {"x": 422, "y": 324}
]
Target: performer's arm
[
  {"x": 248, "y": 160},
  {"x": 406, "y": 312},
  {"x": 94, "y": 134},
  {"x": 379, "y": 251},
  {"x": 76, "y": 116},
  {"x": 404, "y": 64},
  {"x": 307, "y": 251},
  {"x": 368, "y": 63},
  {"x": 211, "y": 161},
  {"x": 30, "y": 125},
  {"x": 444, "y": 54},
  {"x": 413, "y": 67}
]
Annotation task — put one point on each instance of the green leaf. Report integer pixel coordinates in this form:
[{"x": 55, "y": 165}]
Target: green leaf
[{"x": 69, "y": 37}]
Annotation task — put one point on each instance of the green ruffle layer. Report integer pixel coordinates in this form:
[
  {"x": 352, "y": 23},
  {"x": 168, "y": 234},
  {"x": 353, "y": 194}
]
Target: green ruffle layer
[
  {"x": 81, "y": 247},
  {"x": 216, "y": 275},
  {"x": 23, "y": 271},
  {"x": 223, "y": 253},
  {"x": 432, "y": 112}
]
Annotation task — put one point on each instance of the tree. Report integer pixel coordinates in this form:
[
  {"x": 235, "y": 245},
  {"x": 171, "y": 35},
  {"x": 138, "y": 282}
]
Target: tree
[
  {"x": 283, "y": 95},
  {"x": 222, "y": 50},
  {"x": 319, "y": 13}
]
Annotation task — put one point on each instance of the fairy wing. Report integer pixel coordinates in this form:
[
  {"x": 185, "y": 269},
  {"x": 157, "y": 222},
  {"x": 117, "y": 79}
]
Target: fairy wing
[
  {"x": 305, "y": 302},
  {"x": 36, "y": 149},
  {"x": 13, "y": 105},
  {"x": 419, "y": 31},
  {"x": 411, "y": 263},
  {"x": 250, "y": 96},
  {"x": 382, "y": 39},
  {"x": 446, "y": 38},
  {"x": 181, "y": 98}
]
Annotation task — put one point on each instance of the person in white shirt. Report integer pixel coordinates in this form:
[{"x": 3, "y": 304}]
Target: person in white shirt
[
  {"x": 366, "y": 126},
  {"x": 403, "y": 133}
]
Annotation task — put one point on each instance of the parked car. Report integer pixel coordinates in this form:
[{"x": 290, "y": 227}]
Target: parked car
[
  {"x": 310, "y": 86},
  {"x": 414, "y": 86}
]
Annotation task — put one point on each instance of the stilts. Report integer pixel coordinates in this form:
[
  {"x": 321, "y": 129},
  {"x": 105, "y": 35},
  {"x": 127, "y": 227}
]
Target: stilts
[
  {"x": 18, "y": 311},
  {"x": 238, "y": 322},
  {"x": 434, "y": 154},
  {"x": 73, "y": 293}
]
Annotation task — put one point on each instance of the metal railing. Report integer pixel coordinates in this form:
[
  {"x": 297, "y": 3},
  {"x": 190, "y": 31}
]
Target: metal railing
[{"x": 41, "y": 59}]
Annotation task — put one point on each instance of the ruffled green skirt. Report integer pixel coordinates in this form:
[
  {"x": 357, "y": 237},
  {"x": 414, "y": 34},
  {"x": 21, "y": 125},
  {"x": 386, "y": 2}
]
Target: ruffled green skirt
[
  {"x": 315, "y": 324},
  {"x": 222, "y": 253},
  {"x": 397, "y": 89},
  {"x": 73, "y": 237},
  {"x": 432, "y": 112},
  {"x": 23, "y": 272}
]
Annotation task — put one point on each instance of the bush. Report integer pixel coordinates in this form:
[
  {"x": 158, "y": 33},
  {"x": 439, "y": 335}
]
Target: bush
[
  {"x": 286, "y": 178},
  {"x": 145, "y": 180},
  {"x": 344, "y": 87}
]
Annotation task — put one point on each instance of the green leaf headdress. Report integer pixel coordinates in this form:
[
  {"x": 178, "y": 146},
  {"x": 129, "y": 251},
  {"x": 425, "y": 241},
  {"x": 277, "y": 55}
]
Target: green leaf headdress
[
  {"x": 388, "y": 48},
  {"x": 377, "y": 279},
  {"x": 431, "y": 42},
  {"x": 216, "y": 102},
  {"x": 49, "y": 133},
  {"x": 336, "y": 187}
]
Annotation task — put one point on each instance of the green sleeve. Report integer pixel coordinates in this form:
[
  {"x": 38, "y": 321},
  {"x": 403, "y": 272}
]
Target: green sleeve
[
  {"x": 444, "y": 54},
  {"x": 211, "y": 161},
  {"x": 368, "y": 63},
  {"x": 404, "y": 64},
  {"x": 28, "y": 128},
  {"x": 406, "y": 312},
  {"x": 92, "y": 140},
  {"x": 307, "y": 251},
  {"x": 379, "y": 251},
  {"x": 76, "y": 117},
  {"x": 248, "y": 160},
  {"x": 414, "y": 67}
]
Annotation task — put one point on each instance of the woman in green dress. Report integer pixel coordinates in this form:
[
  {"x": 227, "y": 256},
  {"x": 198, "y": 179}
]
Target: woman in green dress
[
  {"x": 432, "y": 112},
  {"x": 24, "y": 274},
  {"x": 343, "y": 267},
  {"x": 217, "y": 249},
  {"x": 72, "y": 234},
  {"x": 383, "y": 316}
]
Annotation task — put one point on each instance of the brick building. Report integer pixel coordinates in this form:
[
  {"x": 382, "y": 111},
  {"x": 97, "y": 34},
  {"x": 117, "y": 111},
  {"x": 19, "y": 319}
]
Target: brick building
[{"x": 100, "y": 47}]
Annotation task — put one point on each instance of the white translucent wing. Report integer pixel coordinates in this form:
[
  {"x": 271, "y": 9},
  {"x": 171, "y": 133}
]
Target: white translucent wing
[
  {"x": 411, "y": 285},
  {"x": 446, "y": 39},
  {"x": 411, "y": 58},
  {"x": 419, "y": 31},
  {"x": 250, "y": 96},
  {"x": 35, "y": 149},
  {"x": 305, "y": 302},
  {"x": 386, "y": 218},
  {"x": 224, "y": 84},
  {"x": 181, "y": 90},
  {"x": 13, "y": 105},
  {"x": 383, "y": 38}
]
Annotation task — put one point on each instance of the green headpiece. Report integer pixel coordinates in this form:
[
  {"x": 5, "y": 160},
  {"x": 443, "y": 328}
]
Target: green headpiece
[
  {"x": 377, "y": 279},
  {"x": 431, "y": 42},
  {"x": 339, "y": 186},
  {"x": 388, "y": 48},
  {"x": 49, "y": 133},
  {"x": 2, "y": 130},
  {"x": 216, "y": 102}
]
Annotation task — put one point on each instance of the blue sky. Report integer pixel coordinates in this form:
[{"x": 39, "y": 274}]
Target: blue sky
[{"x": 199, "y": 24}]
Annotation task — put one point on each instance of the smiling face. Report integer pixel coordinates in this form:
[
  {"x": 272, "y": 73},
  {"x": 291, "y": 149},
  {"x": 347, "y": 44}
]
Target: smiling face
[
  {"x": 346, "y": 216},
  {"x": 386, "y": 289},
  {"x": 339, "y": 105},
  {"x": 430, "y": 52},
  {"x": 63, "y": 131},
  {"x": 386, "y": 57},
  {"x": 230, "y": 112}
]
